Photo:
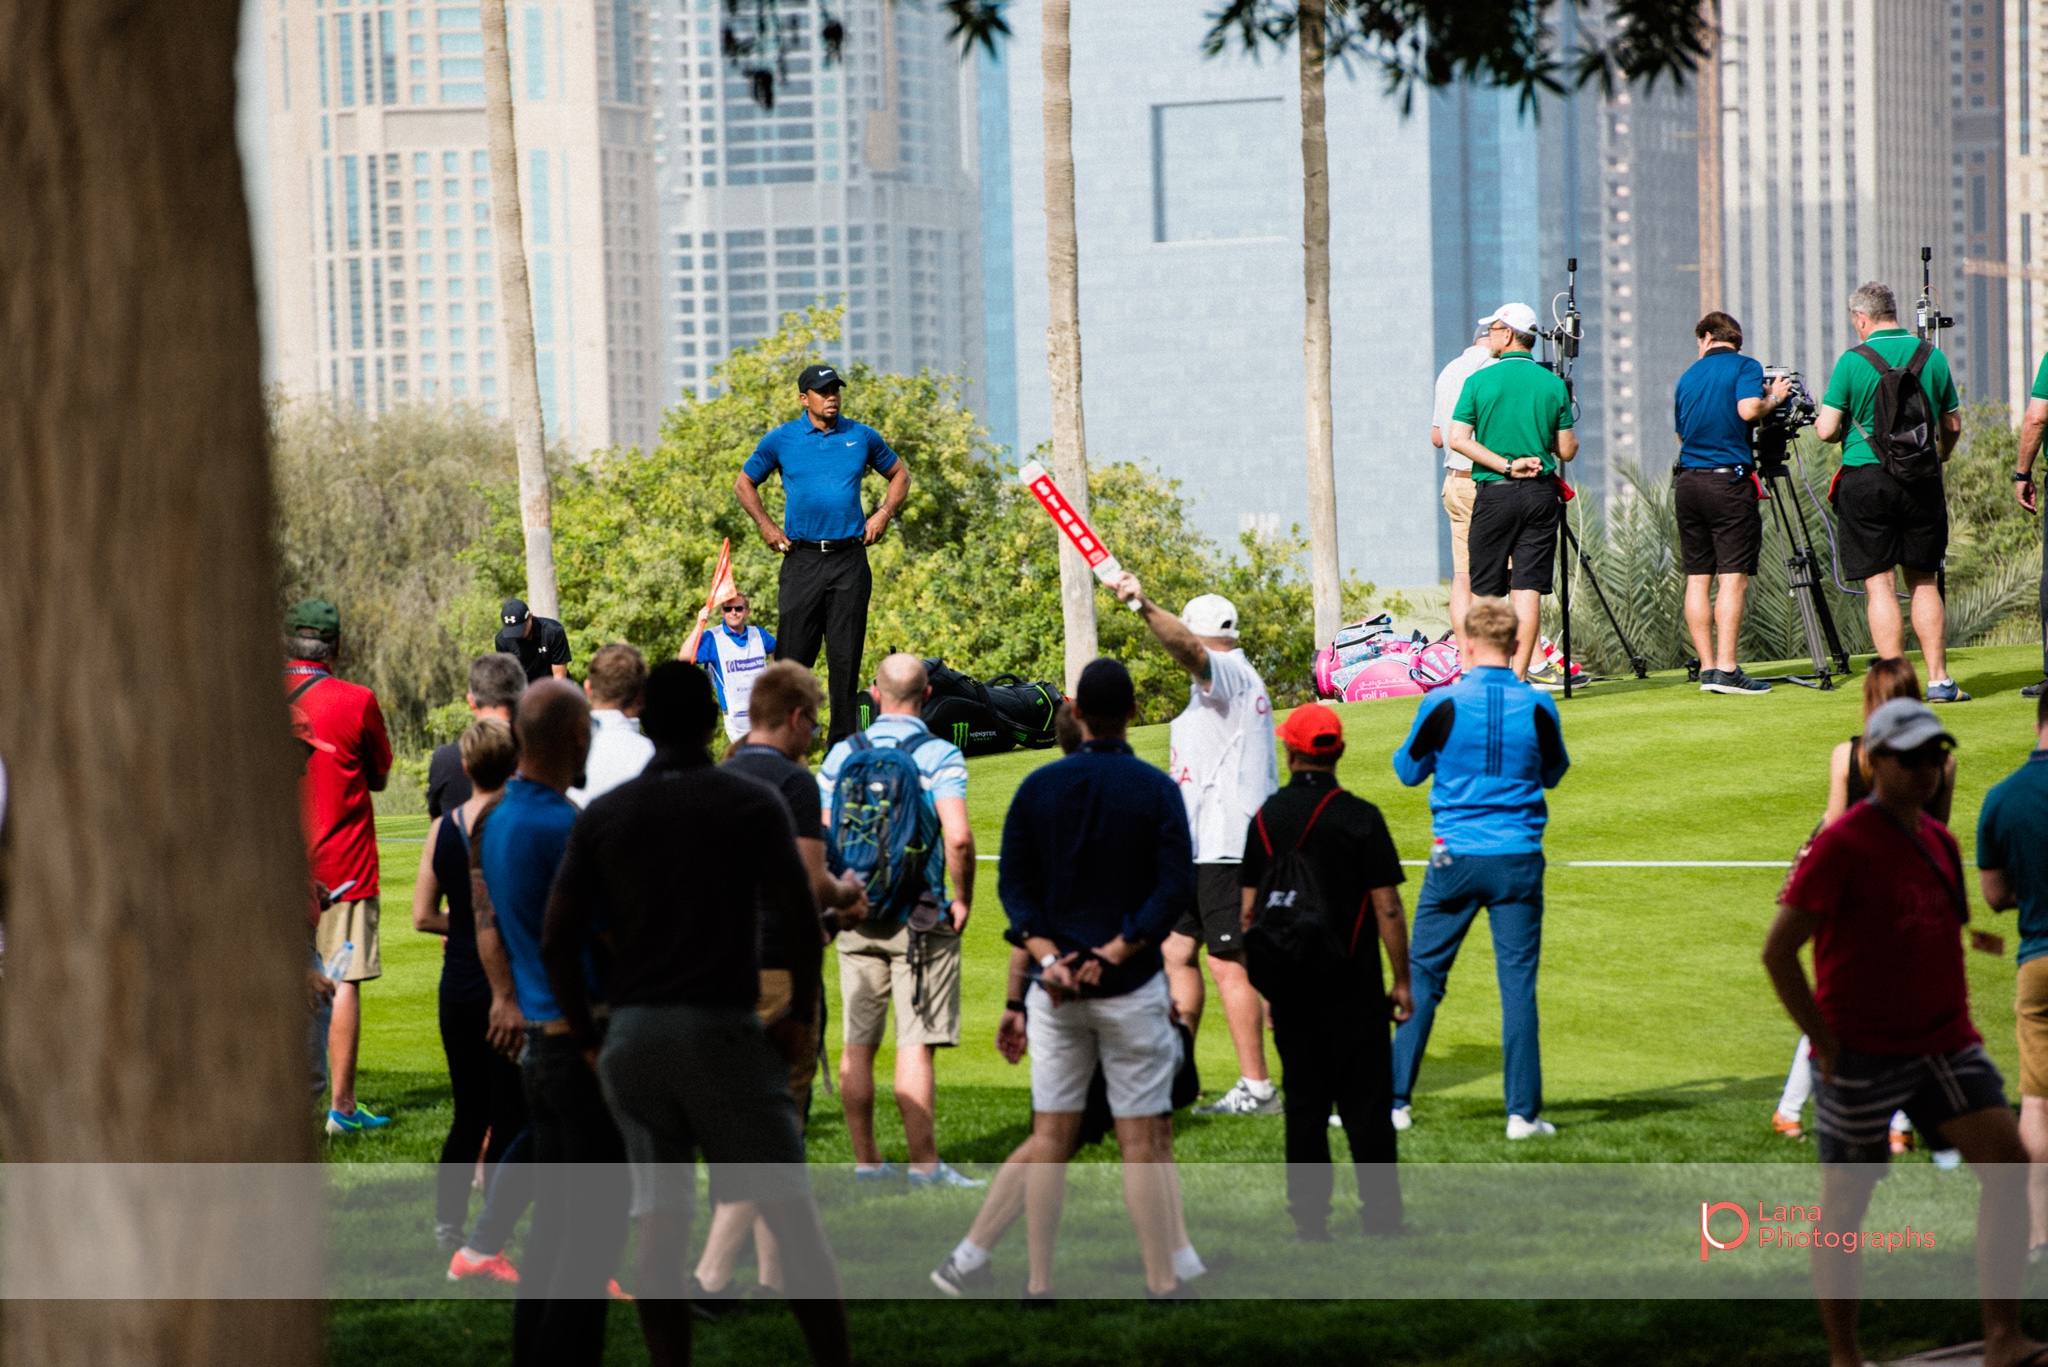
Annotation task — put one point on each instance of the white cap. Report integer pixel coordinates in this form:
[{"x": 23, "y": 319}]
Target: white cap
[
  {"x": 1211, "y": 614},
  {"x": 1520, "y": 317}
]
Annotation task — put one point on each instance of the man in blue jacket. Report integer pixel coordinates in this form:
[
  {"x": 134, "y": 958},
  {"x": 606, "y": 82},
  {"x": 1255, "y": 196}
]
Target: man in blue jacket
[
  {"x": 1493, "y": 744},
  {"x": 1097, "y": 866}
]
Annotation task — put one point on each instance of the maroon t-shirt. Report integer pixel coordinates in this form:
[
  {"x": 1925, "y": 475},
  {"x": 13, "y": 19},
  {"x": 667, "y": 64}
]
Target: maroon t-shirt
[{"x": 1888, "y": 957}]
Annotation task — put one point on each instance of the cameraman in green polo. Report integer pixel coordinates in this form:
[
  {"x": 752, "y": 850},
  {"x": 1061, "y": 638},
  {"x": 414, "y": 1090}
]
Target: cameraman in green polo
[{"x": 1513, "y": 422}]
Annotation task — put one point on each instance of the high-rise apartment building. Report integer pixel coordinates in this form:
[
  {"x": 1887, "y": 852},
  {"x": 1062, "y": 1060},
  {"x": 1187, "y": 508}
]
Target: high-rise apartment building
[
  {"x": 1976, "y": 296},
  {"x": 1836, "y": 137},
  {"x": 2025, "y": 52},
  {"x": 384, "y": 264},
  {"x": 859, "y": 187}
]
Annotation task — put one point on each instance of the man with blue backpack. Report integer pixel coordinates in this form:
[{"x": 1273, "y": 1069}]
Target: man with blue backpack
[{"x": 897, "y": 795}]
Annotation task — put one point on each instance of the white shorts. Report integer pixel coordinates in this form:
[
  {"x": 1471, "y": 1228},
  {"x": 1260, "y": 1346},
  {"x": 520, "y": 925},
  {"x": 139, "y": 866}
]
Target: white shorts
[{"x": 1130, "y": 1034}]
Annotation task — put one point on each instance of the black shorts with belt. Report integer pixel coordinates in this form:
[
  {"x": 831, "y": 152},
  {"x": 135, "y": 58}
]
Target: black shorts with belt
[
  {"x": 1885, "y": 523},
  {"x": 1720, "y": 521},
  {"x": 1514, "y": 519}
]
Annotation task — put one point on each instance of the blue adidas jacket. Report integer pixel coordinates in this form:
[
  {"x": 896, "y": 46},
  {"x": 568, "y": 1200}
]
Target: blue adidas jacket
[{"x": 1494, "y": 744}]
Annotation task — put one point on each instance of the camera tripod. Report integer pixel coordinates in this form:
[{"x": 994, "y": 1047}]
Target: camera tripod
[
  {"x": 1802, "y": 567},
  {"x": 1568, "y": 547}
]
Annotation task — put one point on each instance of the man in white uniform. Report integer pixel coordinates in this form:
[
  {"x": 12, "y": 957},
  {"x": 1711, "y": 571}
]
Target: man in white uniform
[
  {"x": 733, "y": 654},
  {"x": 1224, "y": 761},
  {"x": 1458, "y": 487},
  {"x": 618, "y": 752}
]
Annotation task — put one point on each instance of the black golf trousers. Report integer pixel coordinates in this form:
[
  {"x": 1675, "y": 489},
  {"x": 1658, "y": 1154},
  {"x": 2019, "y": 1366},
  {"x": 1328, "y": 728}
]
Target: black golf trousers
[
  {"x": 824, "y": 601},
  {"x": 1339, "y": 1052}
]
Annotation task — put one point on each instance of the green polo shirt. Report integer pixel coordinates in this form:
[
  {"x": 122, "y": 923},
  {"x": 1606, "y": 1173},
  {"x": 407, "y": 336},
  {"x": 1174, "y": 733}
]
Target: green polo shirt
[
  {"x": 2040, "y": 390},
  {"x": 1853, "y": 387},
  {"x": 1516, "y": 408}
]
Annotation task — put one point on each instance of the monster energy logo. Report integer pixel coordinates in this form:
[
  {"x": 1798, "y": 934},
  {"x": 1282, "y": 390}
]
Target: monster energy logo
[{"x": 960, "y": 734}]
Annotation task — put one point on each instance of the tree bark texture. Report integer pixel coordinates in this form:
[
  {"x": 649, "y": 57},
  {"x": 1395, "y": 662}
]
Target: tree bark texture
[
  {"x": 1325, "y": 578},
  {"x": 1063, "y": 335},
  {"x": 1707, "y": 92},
  {"x": 536, "y": 501},
  {"x": 154, "y": 1003}
]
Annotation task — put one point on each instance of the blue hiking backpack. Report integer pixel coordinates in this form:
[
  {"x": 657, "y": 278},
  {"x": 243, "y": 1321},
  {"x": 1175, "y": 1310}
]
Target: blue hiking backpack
[{"x": 882, "y": 828}]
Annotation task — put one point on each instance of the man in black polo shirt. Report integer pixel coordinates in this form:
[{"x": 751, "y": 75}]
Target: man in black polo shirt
[
  {"x": 1333, "y": 1038},
  {"x": 825, "y": 581},
  {"x": 539, "y": 642}
]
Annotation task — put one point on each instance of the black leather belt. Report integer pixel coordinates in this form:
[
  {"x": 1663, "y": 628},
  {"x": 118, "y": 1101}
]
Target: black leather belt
[
  {"x": 844, "y": 543},
  {"x": 1734, "y": 471}
]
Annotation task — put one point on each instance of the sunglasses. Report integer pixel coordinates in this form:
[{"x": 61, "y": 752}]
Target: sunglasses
[
  {"x": 741, "y": 608},
  {"x": 1924, "y": 757}
]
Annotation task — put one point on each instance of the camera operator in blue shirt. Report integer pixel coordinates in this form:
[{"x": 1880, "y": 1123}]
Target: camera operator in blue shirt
[{"x": 1720, "y": 522}]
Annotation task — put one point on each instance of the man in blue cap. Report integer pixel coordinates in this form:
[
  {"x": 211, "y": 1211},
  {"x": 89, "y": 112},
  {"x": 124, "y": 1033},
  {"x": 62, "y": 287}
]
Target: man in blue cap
[{"x": 825, "y": 582}]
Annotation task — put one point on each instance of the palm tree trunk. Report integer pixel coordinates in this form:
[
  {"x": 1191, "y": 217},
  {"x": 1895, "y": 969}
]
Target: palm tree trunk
[
  {"x": 536, "y": 503},
  {"x": 1063, "y": 335},
  {"x": 1707, "y": 89},
  {"x": 154, "y": 1006},
  {"x": 1324, "y": 575}
]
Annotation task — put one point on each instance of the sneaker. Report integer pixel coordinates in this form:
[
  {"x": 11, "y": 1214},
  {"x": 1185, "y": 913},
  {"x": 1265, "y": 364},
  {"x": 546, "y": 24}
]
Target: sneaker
[
  {"x": 888, "y": 1172},
  {"x": 449, "y": 1237},
  {"x": 1948, "y": 1160},
  {"x": 1786, "y": 1125},
  {"x": 615, "y": 1291},
  {"x": 1240, "y": 1101},
  {"x": 1519, "y": 1128},
  {"x": 1404, "y": 1117},
  {"x": 710, "y": 1306},
  {"x": 1730, "y": 681},
  {"x": 956, "y": 1281},
  {"x": 1545, "y": 675},
  {"x": 496, "y": 1268},
  {"x": 1902, "y": 1141},
  {"x": 944, "y": 1175},
  {"x": 355, "y": 1122},
  {"x": 1946, "y": 690},
  {"x": 2034, "y": 690}
]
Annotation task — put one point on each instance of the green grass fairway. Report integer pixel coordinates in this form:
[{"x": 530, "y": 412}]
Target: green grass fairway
[{"x": 1662, "y": 1043}]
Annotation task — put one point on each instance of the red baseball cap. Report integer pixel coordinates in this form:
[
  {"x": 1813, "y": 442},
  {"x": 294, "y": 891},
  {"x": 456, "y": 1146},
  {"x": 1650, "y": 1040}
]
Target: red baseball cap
[
  {"x": 1313, "y": 729},
  {"x": 302, "y": 729}
]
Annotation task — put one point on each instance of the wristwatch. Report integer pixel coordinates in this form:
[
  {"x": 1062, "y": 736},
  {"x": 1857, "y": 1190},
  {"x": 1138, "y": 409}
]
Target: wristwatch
[
  {"x": 1013, "y": 1004},
  {"x": 2026, "y": 475},
  {"x": 1048, "y": 961}
]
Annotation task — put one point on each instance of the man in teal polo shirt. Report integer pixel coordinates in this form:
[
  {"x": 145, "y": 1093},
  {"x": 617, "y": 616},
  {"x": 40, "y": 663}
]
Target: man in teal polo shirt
[
  {"x": 1513, "y": 422},
  {"x": 2032, "y": 426},
  {"x": 1885, "y": 524}
]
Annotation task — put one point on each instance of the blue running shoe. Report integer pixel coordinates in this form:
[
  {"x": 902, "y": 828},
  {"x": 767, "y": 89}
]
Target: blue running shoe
[
  {"x": 1946, "y": 690},
  {"x": 355, "y": 1122},
  {"x": 888, "y": 1172},
  {"x": 944, "y": 1175}
]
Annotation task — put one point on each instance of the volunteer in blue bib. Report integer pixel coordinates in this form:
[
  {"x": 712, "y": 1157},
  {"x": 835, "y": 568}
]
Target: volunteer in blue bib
[{"x": 733, "y": 654}]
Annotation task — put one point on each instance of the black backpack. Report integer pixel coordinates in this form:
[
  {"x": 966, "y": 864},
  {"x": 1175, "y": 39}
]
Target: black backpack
[
  {"x": 988, "y": 718},
  {"x": 1293, "y": 948},
  {"x": 1902, "y": 433}
]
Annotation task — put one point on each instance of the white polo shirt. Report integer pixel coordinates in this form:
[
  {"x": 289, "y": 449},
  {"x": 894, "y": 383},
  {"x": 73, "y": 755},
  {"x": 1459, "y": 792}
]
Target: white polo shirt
[
  {"x": 1449, "y": 384},
  {"x": 1223, "y": 757}
]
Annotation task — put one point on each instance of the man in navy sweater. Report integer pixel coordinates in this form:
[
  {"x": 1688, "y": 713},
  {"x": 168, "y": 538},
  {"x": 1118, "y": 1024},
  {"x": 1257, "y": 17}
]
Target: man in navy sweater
[
  {"x": 1097, "y": 866},
  {"x": 1493, "y": 744}
]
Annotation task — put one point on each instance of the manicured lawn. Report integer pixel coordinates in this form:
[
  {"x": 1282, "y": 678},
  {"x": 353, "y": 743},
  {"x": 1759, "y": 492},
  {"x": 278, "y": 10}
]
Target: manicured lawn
[{"x": 1662, "y": 1043}]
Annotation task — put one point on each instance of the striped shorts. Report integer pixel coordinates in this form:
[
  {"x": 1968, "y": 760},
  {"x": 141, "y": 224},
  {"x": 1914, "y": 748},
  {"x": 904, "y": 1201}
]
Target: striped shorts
[{"x": 1853, "y": 1110}]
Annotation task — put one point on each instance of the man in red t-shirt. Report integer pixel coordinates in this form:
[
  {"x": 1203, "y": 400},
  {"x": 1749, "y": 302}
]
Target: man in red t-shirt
[
  {"x": 1880, "y": 893},
  {"x": 341, "y": 832}
]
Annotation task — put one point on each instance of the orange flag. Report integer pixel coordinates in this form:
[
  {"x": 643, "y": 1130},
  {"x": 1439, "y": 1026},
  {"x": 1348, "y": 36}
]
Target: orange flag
[{"x": 722, "y": 585}]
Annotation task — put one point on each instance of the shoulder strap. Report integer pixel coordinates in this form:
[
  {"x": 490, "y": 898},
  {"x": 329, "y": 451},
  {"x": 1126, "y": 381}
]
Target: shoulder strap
[
  {"x": 1920, "y": 355},
  {"x": 300, "y": 691},
  {"x": 859, "y": 741},
  {"x": 1327, "y": 797},
  {"x": 1870, "y": 354},
  {"x": 1953, "y": 885},
  {"x": 1259, "y": 820}
]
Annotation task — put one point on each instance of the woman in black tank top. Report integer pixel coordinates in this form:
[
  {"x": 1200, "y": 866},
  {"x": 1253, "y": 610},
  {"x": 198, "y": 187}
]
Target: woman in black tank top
[{"x": 489, "y": 1099}]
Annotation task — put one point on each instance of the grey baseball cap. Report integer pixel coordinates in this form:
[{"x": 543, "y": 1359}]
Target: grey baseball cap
[{"x": 1903, "y": 724}]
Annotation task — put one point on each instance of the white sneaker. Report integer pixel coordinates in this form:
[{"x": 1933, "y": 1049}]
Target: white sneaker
[
  {"x": 1240, "y": 1101},
  {"x": 1336, "y": 1122},
  {"x": 1404, "y": 1116},
  {"x": 1519, "y": 1128}
]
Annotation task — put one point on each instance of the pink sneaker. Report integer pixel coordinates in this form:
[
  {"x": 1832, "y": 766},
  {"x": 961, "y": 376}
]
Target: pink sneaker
[{"x": 496, "y": 1268}]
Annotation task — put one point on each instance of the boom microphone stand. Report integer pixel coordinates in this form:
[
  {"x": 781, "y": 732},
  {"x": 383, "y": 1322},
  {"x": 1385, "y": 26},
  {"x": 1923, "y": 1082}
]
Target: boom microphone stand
[
  {"x": 1928, "y": 322},
  {"x": 1561, "y": 351}
]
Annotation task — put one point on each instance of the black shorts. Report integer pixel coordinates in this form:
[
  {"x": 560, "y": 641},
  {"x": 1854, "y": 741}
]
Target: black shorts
[
  {"x": 1720, "y": 522},
  {"x": 1885, "y": 523},
  {"x": 1853, "y": 1112},
  {"x": 1514, "y": 518},
  {"x": 1218, "y": 918}
]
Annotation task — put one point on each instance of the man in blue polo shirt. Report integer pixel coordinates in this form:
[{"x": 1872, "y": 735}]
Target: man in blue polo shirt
[
  {"x": 824, "y": 538},
  {"x": 1720, "y": 519}
]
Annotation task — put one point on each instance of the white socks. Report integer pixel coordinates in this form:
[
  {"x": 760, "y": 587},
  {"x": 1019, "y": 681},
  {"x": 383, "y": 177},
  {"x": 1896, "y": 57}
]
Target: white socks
[
  {"x": 970, "y": 1257},
  {"x": 1187, "y": 1264},
  {"x": 1261, "y": 1090}
]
